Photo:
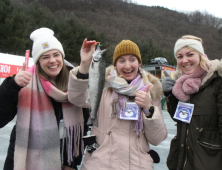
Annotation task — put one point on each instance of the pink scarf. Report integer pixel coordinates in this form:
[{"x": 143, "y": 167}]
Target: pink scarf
[
  {"x": 188, "y": 84},
  {"x": 37, "y": 136}
]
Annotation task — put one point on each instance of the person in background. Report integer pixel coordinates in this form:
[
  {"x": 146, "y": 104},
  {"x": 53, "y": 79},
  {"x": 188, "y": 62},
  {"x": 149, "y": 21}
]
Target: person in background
[
  {"x": 123, "y": 144},
  {"x": 48, "y": 129},
  {"x": 197, "y": 89}
]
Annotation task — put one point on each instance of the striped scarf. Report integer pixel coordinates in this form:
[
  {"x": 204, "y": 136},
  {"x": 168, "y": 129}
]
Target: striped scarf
[
  {"x": 121, "y": 91},
  {"x": 37, "y": 144}
]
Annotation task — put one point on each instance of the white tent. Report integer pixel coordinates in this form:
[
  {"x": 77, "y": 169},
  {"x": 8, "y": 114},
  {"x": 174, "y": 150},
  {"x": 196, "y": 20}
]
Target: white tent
[{"x": 11, "y": 64}]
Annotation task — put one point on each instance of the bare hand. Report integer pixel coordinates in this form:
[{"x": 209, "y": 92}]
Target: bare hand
[
  {"x": 87, "y": 50},
  {"x": 142, "y": 98},
  {"x": 23, "y": 77}
]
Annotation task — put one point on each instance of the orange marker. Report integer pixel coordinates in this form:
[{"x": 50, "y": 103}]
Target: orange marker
[{"x": 90, "y": 42}]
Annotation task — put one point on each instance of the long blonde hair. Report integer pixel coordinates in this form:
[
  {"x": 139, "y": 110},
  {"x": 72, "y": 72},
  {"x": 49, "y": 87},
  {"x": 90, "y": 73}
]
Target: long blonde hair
[{"x": 203, "y": 59}]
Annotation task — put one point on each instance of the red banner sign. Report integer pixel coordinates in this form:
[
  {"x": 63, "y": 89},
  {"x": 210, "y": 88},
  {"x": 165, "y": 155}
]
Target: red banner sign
[
  {"x": 167, "y": 68},
  {"x": 7, "y": 70}
]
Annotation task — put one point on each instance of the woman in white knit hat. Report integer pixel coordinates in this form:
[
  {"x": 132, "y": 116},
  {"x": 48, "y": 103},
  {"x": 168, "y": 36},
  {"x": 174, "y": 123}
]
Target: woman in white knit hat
[
  {"x": 38, "y": 97},
  {"x": 194, "y": 101}
]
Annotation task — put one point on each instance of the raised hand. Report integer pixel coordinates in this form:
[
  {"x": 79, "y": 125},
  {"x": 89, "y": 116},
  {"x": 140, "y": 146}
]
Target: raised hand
[
  {"x": 87, "y": 50},
  {"x": 23, "y": 77},
  {"x": 142, "y": 98},
  {"x": 168, "y": 83}
]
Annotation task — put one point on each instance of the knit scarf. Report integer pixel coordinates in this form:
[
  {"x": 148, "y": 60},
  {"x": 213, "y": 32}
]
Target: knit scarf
[
  {"x": 37, "y": 144},
  {"x": 121, "y": 92},
  {"x": 188, "y": 84}
]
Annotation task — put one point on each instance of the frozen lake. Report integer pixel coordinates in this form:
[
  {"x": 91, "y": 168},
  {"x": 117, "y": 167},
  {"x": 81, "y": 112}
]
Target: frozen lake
[
  {"x": 5, "y": 133},
  {"x": 162, "y": 149}
]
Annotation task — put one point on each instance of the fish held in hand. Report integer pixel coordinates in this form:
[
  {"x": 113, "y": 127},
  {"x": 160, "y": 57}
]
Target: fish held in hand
[{"x": 96, "y": 79}]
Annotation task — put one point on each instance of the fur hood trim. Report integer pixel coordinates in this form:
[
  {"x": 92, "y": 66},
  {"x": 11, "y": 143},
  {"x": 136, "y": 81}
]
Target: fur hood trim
[
  {"x": 215, "y": 65},
  {"x": 156, "y": 88}
]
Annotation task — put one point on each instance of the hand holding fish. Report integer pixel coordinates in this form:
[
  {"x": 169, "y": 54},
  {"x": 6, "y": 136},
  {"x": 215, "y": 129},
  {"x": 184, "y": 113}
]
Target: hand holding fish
[
  {"x": 142, "y": 98},
  {"x": 87, "y": 50}
]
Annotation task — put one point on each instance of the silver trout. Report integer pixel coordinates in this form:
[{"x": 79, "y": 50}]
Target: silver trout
[{"x": 96, "y": 80}]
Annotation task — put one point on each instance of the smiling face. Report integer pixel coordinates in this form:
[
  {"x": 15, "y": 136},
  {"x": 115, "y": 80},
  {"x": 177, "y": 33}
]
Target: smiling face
[
  {"x": 51, "y": 63},
  {"x": 187, "y": 60},
  {"x": 127, "y": 66}
]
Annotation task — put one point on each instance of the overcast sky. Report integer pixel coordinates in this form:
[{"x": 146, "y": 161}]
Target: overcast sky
[{"x": 213, "y": 7}]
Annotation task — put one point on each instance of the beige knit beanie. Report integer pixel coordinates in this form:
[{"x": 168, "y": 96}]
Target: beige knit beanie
[
  {"x": 194, "y": 44},
  {"x": 126, "y": 47}
]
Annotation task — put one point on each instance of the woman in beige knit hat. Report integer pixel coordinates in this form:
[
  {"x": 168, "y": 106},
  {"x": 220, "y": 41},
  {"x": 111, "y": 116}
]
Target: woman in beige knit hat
[
  {"x": 129, "y": 116},
  {"x": 194, "y": 101}
]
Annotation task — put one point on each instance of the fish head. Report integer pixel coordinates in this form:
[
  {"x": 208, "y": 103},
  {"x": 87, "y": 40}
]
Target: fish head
[{"x": 98, "y": 54}]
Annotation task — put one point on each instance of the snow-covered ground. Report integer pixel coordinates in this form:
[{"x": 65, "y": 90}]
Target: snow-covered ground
[{"x": 162, "y": 149}]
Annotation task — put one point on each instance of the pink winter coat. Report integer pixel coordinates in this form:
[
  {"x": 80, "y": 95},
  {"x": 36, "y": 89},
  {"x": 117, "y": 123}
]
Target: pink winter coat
[{"x": 119, "y": 146}]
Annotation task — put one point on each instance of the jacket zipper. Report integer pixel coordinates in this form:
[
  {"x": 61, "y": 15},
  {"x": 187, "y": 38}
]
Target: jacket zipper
[
  {"x": 209, "y": 144},
  {"x": 186, "y": 143},
  {"x": 186, "y": 149}
]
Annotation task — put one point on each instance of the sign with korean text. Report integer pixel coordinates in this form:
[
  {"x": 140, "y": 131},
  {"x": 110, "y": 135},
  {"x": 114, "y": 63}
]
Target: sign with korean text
[{"x": 7, "y": 70}]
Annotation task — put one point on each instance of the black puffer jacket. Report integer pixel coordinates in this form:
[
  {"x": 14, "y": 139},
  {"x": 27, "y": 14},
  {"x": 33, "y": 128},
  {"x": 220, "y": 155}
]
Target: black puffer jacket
[
  {"x": 8, "y": 109},
  {"x": 198, "y": 145}
]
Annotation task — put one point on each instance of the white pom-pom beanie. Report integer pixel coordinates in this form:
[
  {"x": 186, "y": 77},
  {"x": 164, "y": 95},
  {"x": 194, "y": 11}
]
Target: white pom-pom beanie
[{"x": 43, "y": 41}]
